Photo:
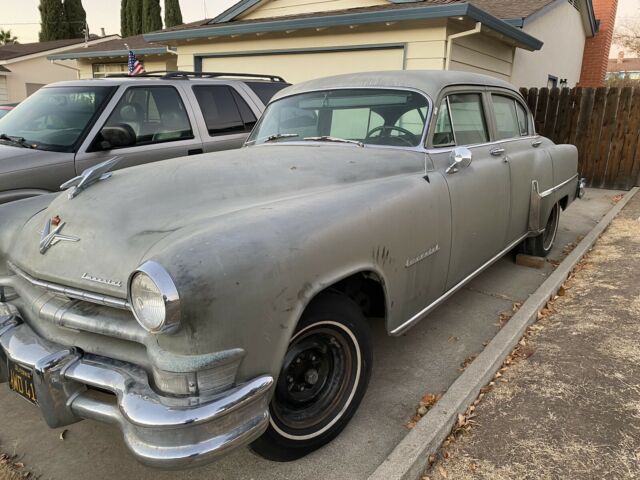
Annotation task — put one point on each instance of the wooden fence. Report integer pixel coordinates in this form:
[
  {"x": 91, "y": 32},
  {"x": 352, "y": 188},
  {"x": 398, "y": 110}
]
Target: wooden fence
[{"x": 604, "y": 124}]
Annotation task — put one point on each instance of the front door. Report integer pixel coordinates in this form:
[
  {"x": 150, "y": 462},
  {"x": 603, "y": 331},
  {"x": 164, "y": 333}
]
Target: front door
[
  {"x": 163, "y": 127},
  {"x": 479, "y": 192}
]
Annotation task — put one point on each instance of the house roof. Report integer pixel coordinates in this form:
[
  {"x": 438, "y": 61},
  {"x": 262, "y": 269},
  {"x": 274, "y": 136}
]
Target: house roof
[
  {"x": 16, "y": 50},
  {"x": 4, "y": 69},
  {"x": 112, "y": 48},
  {"x": 431, "y": 9},
  {"x": 627, "y": 65}
]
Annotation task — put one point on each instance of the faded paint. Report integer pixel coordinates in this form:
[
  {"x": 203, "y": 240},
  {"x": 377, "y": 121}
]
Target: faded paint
[{"x": 563, "y": 34}]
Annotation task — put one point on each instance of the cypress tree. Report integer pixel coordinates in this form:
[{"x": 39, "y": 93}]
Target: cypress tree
[
  {"x": 172, "y": 13},
  {"x": 135, "y": 17},
  {"x": 52, "y": 20},
  {"x": 151, "y": 17},
  {"x": 76, "y": 18},
  {"x": 124, "y": 19}
]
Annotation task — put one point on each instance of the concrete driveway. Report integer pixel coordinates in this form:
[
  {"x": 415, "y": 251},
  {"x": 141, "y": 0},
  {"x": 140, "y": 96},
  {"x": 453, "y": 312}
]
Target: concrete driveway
[{"x": 426, "y": 359}]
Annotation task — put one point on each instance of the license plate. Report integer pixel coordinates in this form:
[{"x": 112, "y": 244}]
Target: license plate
[{"x": 21, "y": 382}]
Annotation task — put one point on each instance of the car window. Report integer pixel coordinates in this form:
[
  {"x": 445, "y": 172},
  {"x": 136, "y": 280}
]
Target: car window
[
  {"x": 371, "y": 116},
  {"x": 266, "y": 90},
  {"x": 56, "y": 118},
  {"x": 155, "y": 114},
  {"x": 443, "y": 131},
  {"x": 467, "y": 117},
  {"x": 504, "y": 109},
  {"x": 523, "y": 119},
  {"x": 224, "y": 110}
]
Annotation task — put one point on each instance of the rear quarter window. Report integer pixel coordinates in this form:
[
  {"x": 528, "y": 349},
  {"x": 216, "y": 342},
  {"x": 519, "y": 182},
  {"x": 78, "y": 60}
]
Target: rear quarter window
[{"x": 266, "y": 90}]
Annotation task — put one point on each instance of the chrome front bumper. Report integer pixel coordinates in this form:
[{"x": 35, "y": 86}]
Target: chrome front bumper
[{"x": 161, "y": 431}]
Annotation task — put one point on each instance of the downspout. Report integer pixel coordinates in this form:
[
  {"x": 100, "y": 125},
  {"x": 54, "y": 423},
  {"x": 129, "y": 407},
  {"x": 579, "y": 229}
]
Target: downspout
[
  {"x": 452, "y": 37},
  {"x": 66, "y": 66}
]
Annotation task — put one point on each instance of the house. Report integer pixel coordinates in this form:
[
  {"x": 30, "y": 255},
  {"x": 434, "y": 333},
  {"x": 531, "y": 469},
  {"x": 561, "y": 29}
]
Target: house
[
  {"x": 596, "y": 51},
  {"x": 528, "y": 42},
  {"x": 622, "y": 67},
  {"x": 111, "y": 57},
  {"x": 24, "y": 67}
]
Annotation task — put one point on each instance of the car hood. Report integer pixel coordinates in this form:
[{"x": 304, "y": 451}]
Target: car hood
[
  {"x": 119, "y": 219},
  {"x": 9, "y": 155}
]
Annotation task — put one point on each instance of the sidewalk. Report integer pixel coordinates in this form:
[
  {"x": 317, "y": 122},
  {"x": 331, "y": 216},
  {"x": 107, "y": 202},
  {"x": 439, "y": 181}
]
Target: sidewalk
[{"x": 567, "y": 403}]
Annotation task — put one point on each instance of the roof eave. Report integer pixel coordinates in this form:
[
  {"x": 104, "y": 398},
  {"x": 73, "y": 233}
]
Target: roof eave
[
  {"x": 422, "y": 12},
  {"x": 108, "y": 53}
]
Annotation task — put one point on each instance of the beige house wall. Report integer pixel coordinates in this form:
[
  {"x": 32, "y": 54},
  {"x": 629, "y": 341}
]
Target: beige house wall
[
  {"x": 563, "y": 34},
  {"x": 4, "y": 96},
  {"x": 38, "y": 71},
  {"x": 278, "y": 8},
  {"x": 482, "y": 53},
  {"x": 306, "y": 55}
]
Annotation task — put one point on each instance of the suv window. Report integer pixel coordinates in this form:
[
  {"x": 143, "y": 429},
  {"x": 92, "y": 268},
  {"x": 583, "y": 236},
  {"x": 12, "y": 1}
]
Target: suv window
[
  {"x": 508, "y": 125},
  {"x": 156, "y": 114},
  {"x": 224, "y": 110},
  {"x": 460, "y": 121},
  {"x": 266, "y": 90}
]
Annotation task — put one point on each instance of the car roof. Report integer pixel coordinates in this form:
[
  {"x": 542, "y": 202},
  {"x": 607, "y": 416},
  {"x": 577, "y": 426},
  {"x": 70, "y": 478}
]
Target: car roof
[
  {"x": 429, "y": 82},
  {"x": 116, "y": 81}
]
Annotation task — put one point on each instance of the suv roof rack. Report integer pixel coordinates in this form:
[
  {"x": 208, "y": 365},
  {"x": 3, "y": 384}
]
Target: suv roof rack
[{"x": 182, "y": 75}]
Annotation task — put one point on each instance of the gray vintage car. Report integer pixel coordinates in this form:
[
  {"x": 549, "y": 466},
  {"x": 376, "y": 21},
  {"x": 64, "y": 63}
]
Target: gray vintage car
[{"x": 203, "y": 303}]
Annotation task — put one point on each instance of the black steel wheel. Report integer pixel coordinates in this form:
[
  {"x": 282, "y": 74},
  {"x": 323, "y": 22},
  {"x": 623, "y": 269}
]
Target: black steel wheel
[
  {"x": 323, "y": 378},
  {"x": 541, "y": 245}
]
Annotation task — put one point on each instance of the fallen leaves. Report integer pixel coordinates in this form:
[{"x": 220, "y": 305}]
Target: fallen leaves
[
  {"x": 427, "y": 401},
  {"x": 616, "y": 198}
]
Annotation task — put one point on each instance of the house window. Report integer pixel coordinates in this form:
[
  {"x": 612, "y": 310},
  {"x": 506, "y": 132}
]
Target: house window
[
  {"x": 101, "y": 70},
  {"x": 552, "y": 82}
]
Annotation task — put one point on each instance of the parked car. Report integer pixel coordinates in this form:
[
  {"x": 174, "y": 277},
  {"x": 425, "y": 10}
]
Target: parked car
[
  {"x": 205, "y": 303},
  {"x": 67, "y": 127},
  {"x": 4, "y": 109}
]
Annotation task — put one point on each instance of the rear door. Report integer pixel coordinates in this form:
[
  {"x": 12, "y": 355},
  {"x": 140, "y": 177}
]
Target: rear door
[
  {"x": 225, "y": 117},
  {"x": 514, "y": 129},
  {"x": 163, "y": 125},
  {"x": 480, "y": 193}
]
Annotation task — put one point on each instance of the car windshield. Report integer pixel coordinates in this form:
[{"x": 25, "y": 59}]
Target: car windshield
[
  {"x": 54, "y": 118},
  {"x": 366, "y": 116},
  {"x": 3, "y": 112}
]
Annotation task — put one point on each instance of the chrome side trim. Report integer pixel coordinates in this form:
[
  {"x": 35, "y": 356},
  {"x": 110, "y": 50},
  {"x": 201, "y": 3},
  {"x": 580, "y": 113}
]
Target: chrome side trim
[
  {"x": 558, "y": 187},
  {"x": 74, "y": 293},
  {"x": 425, "y": 311}
]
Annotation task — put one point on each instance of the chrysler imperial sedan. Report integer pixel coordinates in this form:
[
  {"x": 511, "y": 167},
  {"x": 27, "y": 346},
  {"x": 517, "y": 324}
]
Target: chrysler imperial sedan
[{"x": 204, "y": 303}]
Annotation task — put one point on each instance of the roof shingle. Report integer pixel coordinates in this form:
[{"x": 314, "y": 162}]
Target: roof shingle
[{"x": 8, "y": 52}]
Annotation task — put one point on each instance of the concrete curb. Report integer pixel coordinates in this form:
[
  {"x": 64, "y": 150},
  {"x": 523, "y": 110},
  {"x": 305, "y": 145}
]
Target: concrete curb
[{"x": 410, "y": 457}]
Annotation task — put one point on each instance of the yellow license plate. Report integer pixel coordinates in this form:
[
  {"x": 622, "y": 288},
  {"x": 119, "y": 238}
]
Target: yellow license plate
[{"x": 21, "y": 382}]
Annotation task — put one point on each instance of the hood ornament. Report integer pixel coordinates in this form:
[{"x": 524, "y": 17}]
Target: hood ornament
[
  {"x": 51, "y": 237},
  {"x": 90, "y": 176}
]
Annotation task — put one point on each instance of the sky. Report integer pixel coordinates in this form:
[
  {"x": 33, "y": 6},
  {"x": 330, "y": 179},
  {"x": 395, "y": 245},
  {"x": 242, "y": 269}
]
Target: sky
[
  {"x": 23, "y": 17},
  {"x": 628, "y": 12}
]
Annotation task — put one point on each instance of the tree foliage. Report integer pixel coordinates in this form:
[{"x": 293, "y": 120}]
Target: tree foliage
[
  {"x": 52, "y": 21},
  {"x": 151, "y": 16},
  {"x": 172, "y": 13},
  {"x": 134, "y": 14},
  {"x": 6, "y": 38},
  {"x": 627, "y": 36},
  {"x": 76, "y": 18}
]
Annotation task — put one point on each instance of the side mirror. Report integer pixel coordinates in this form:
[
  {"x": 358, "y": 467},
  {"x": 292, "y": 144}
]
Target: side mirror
[
  {"x": 460, "y": 158},
  {"x": 116, "y": 136}
]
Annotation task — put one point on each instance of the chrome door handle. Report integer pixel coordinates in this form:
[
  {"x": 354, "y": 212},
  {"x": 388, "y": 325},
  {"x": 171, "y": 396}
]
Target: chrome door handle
[
  {"x": 536, "y": 143},
  {"x": 496, "y": 152}
]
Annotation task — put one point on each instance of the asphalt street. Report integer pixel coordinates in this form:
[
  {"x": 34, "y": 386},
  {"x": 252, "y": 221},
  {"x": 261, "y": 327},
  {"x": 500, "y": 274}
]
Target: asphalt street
[{"x": 425, "y": 359}]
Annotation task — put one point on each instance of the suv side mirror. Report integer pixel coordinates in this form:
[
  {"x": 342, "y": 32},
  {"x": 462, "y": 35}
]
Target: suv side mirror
[{"x": 116, "y": 136}]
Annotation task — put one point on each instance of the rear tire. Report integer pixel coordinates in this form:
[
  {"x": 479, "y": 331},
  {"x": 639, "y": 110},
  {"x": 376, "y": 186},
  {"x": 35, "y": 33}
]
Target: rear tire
[
  {"x": 541, "y": 245},
  {"x": 324, "y": 376}
]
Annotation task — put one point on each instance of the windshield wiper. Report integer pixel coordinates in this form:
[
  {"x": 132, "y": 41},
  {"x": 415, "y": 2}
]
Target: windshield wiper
[
  {"x": 18, "y": 141},
  {"x": 273, "y": 138},
  {"x": 328, "y": 138}
]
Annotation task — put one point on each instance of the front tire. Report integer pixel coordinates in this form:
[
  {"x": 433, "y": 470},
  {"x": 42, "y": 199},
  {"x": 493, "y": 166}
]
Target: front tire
[
  {"x": 541, "y": 245},
  {"x": 324, "y": 376}
]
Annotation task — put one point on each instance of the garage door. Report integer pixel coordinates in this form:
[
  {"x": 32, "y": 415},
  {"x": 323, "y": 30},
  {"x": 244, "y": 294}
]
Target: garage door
[{"x": 300, "y": 66}]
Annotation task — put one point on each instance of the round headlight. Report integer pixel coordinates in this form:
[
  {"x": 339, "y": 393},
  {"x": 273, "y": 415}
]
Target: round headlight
[{"x": 154, "y": 299}]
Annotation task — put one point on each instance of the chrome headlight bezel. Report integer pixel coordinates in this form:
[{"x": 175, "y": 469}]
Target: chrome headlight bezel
[{"x": 167, "y": 288}]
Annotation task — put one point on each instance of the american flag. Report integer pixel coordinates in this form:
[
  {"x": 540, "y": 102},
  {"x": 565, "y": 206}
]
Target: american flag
[{"x": 135, "y": 67}]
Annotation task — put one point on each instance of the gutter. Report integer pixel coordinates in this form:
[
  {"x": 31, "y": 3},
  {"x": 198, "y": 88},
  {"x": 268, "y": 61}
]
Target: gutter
[
  {"x": 422, "y": 12},
  {"x": 108, "y": 53},
  {"x": 451, "y": 38}
]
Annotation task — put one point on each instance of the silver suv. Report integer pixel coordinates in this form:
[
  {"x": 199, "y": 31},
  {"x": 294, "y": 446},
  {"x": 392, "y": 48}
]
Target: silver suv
[{"x": 67, "y": 127}]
